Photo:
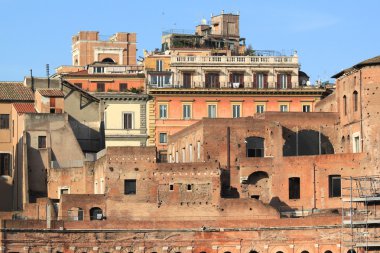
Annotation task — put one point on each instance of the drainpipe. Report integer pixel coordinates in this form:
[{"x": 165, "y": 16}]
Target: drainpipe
[
  {"x": 228, "y": 148},
  {"x": 315, "y": 189}
]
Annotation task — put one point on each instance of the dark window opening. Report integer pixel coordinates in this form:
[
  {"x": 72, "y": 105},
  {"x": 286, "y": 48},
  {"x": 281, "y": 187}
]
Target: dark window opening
[
  {"x": 5, "y": 164},
  {"x": 100, "y": 87},
  {"x": 305, "y": 251},
  {"x": 328, "y": 251},
  {"x": 351, "y": 251},
  {"x": 294, "y": 188},
  {"x": 79, "y": 85},
  {"x": 255, "y": 146},
  {"x": 255, "y": 196},
  {"x": 130, "y": 186},
  {"x": 345, "y": 105},
  {"x": 4, "y": 121},
  {"x": 41, "y": 141},
  {"x": 96, "y": 213},
  {"x": 123, "y": 87},
  {"x": 171, "y": 187},
  {"x": 108, "y": 60},
  {"x": 355, "y": 101},
  {"x": 127, "y": 121},
  {"x": 306, "y": 108},
  {"x": 334, "y": 186},
  {"x": 186, "y": 80},
  {"x": 212, "y": 80},
  {"x": 163, "y": 156},
  {"x": 189, "y": 187}
]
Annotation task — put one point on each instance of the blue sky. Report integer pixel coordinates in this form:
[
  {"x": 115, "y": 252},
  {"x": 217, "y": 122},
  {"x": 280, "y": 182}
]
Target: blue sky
[{"x": 329, "y": 35}]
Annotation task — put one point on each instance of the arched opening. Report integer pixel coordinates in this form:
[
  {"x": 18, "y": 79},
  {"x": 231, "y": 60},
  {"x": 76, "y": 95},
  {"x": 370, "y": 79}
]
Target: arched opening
[
  {"x": 328, "y": 251},
  {"x": 257, "y": 186},
  {"x": 351, "y": 251},
  {"x": 279, "y": 252},
  {"x": 254, "y": 147},
  {"x": 75, "y": 214},
  {"x": 305, "y": 251},
  {"x": 96, "y": 213},
  {"x": 345, "y": 105},
  {"x": 253, "y": 251},
  {"x": 108, "y": 60},
  {"x": 355, "y": 102}
]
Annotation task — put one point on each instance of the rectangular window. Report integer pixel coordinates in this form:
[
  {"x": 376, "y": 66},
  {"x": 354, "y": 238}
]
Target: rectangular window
[
  {"x": 171, "y": 187},
  {"x": 284, "y": 108},
  {"x": 98, "y": 69},
  {"x": 306, "y": 108},
  {"x": 123, "y": 87},
  {"x": 158, "y": 65},
  {"x": 260, "y": 80},
  {"x": 186, "y": 109},
  {"x": 283, "y": 81},
  {"x": 100, "y": 87},
  {"x": 356, "y": 144},
  {"x": 212, "y": 80},
  {"x": 163, "y": 111},
  {"x": 334, "y": 186},
  {"x": 259, "y": 108},
  {"x": 189, "y": 187},
  {"x": 163, "y": 156},
  {"x": 294, "y": 188},
  {"x": 235, "y": 111},
  {"x": 163, "y": 137},
  {"x": 127, "y": 120},
  {"x": 186, "y": 80},
  {"x": 41, "y": 141},
  {"x": 211, "y": 111},
  {"x": 130, "y": 186},
  {"x": 79, "y": 85},
  {"x": 5, "y": 164},
  {"x": 4, "y": 121}
]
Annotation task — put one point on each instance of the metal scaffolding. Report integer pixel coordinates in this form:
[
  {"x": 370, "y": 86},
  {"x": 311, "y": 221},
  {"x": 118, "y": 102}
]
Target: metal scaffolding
[{"x": 361, "y": 212}]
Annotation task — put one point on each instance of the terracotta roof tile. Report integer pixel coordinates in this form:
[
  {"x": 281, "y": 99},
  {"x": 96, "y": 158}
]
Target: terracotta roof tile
[
  {"x": 15, "y": 91},
  {"x": 24, "y": 107},
  {"x": 51, "y": 92}
]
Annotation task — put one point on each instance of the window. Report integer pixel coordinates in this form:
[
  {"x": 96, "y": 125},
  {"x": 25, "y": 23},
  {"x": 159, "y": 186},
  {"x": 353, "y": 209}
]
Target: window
[
  {"x": 255, "y": 146},
  {"x": 163, "y": 137},
  {"x": 96, "y": 213},
  {"x": 190, "y": 153},
  {"x": 4, "y": 121},
  {"x": 237, "y": 80},
  {"x": 260, "y": 80},
  {"x": 158, "y": 65},
  {"x": 100, "y": 87},
  {"x": 171, "y": 187},
  {"x": 355, "y": 97},
  {"x": 127, "y": 120},
  {"x": 123, "y": 87},
  {"x": 186, "y": 110},
  {"x": 235, "y": 111},
  {"x": 294, "y": 188},
  {"x": 163, "y": 111},
  {"x": 345, "y": 105},
  {"x": 79, "y": 85},
  {"x": 356, "y": 143},
  {"x": 64, "y": 191},
  {"x": 211, "y": 111},
  {"x": 282, "y": 81},
  {"x": 212, "y": 80},
  {"x": 160, "y": 80},
  {"x": 334, "y": 186},
  {"x": 41, "y": 141},
  {"x": 163, "y": 156},
  {"x": 306, "y": 108},
  {"x": 283, "y": 108},
  {"x": 198, "y": 150},
  {"x": 186, "y": 80},
  {"x": 5, "y": 164},
  {"x": 189, "y": 187},
  {"x": 259, "y": 108},
  {"x": 130, "y": 186},
  {"x": 98, "y": 69}
]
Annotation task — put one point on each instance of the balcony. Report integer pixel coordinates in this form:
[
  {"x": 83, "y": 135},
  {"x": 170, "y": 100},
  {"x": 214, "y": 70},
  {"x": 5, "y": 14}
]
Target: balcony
[
  {"x": 234, "y": 60},
  {"x": 120, "y": 133},
  {"x": 227, "y": 85},
  {"x": 115, "y": 69}
]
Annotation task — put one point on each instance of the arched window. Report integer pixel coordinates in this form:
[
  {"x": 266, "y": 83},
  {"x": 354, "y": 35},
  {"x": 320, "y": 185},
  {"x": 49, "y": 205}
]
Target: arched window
[
  {"x": 108, "y": 60},
  {"x": 96, "y": 213},
  {"x": 351, "y": 251},
  {"x": 254, "y": 146},
  {"x": 305, "y": 251},
  {"x": 345, "y": 105},
  {"x": 355, "y": 98},
  {"x": 328, "y": 251}
]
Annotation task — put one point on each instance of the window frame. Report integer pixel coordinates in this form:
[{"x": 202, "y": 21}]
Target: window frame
[
  {"x": 166, "y": 112},
  {"x": 333, "y": 192},
  {"x": 187, "y": 113},
  {"x": 166, "y": 138},
  {"x": 5, "y": 170},
  {"x": 42, "y": 144},
  {"x": 294, "y": 194},
  {"x": 236, "y": 113},
  {"x": 4, "y": 121},
  {"x": 209, "y": 112},
  {"x": 133, "y": 181},
  {"x": 132, "y": 120}
]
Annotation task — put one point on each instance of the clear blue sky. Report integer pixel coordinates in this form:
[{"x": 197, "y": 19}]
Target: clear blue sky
[{"x": 329, "y": 35}]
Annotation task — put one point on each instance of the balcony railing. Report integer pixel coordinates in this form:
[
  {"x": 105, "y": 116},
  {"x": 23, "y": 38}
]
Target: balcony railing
[
  {"x": 229, "y": 85},
  {"x": 124, "y": 132},
  {"x": 115, "y": 69},
  {"x": 234, "y": 59}
]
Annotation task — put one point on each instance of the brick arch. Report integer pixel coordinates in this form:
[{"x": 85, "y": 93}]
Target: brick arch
[
  {"x": 280, "y": 249},
  {"x": 257, "y": 186}
]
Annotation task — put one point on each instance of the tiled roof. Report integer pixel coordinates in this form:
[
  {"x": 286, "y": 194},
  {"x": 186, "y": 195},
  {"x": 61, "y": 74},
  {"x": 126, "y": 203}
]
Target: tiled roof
[
  {"x": 15, "y": 91},
  {"x": 24, "y": 107},
  {"x": 51, "y": 92}
]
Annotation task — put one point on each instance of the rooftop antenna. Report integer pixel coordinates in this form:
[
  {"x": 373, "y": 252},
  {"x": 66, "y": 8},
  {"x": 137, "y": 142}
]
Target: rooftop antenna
[{"x": 47, "y": 74}]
